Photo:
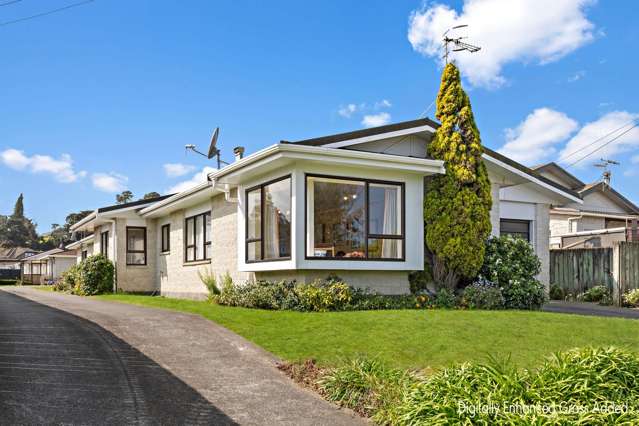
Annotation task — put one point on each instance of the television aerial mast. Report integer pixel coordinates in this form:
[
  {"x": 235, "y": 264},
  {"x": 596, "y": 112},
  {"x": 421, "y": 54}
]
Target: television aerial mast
[
  {"x": 213, "y": 150},
  {"x": 457, "y": 42},
  {"x": 607, "y": 173}
]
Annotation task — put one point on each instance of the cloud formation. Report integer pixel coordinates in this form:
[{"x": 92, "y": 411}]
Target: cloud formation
[
  {"x": 374, "y": 120},
  {"x": 61, "y": 169},
  {"x": 198, "y": 178},
  {"x": 508, "y": 31},
  {"x": 109, "y": 182},
  {"x": 177, "y": 169}
]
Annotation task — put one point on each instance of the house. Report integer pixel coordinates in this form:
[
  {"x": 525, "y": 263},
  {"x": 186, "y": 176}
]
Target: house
[
  {"x": 47, "y": 266},
  {"x": 604, "y": 217},
  {"x": 122, "y": 235},
  {"x": 350, "y": 204},
  {"x": 10, "y": 257}
]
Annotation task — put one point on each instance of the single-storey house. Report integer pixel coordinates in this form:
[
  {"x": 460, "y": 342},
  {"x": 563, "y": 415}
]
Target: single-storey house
[
  {"x": 10, "y": 257},
  {"x": 47, "y": 266},
  {"x": 349, "y": 204},
  {"x": 604, "y": 217}
]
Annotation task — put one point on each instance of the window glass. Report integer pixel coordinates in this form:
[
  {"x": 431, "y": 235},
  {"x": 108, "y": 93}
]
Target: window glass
[
  {"x": 515, "y": 228},
  {"x": 136, "y": 246},
  {"x": 384, "y": 248},
  {"x": 277, "y": 220},
  {"x": 254, "y": 206},
  {"x": 385, "y": 205},
  {"x": 254, "y": 250},
  {"x": 166, "y": 234},
  {"x": 339, "y": 218},
  {"x": 189, "y": 231},
  {"x": 199, "y": 237}
]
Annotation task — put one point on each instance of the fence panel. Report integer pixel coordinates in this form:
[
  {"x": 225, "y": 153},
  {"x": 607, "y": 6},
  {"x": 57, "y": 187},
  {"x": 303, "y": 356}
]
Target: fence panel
[
  {"x": 628, "y": 267},
  {"x": 578, "y": 270}
]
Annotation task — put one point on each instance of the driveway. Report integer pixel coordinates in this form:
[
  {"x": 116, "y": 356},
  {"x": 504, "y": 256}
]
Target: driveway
[
  {"x": 595, "y": 309},
  {"x": 66, "y": 359}
]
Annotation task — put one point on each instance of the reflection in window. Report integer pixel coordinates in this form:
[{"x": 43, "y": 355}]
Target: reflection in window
[
  {"x": 337, "y": 211},
  {"x": 198, "y": 237},
  {"x": 268, "y": 226},
  {"x": 135, "y": 245},
  {"x": 515, "y": 228}
]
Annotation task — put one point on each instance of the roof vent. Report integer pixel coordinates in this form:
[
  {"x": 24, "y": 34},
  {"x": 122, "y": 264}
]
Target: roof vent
[{"x": 239, "y": 152}]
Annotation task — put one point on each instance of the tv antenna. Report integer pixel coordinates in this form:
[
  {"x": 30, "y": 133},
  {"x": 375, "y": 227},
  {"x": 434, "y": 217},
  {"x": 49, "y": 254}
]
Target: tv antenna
[
  {"x": 459, "y": 45},
  {"x": 605, "y": 165},
  {"x": 213, "y": 150}
]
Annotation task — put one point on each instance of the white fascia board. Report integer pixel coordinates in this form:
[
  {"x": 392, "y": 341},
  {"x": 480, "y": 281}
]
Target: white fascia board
[
  {"x": 177, "y": 200},
  {"x": 334, "y": 156},
  {"x": 387, "y": 135},
  {"x": 76, "y": 244},
  {"x": 573, "y": 212},
  {"x": 532, "y": 179},
  {"x": 84, "y": 221}
]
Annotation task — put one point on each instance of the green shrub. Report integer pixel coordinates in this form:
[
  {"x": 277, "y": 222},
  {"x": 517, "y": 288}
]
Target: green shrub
[
  {"x": 445, "y": 299},
  {"x": 95, "y": 277},
  {"x": 419, "y": 280},
  {"x": 597, "y": 294},
  {"x": 482, "y": 294},
  {"x": 631, "y": 298},
  {"x": 68, "y": 279},
  {"x": 556, "y": 292},
  {"x": 210, "y": 281},
  {"x": 512, "y": 265}
]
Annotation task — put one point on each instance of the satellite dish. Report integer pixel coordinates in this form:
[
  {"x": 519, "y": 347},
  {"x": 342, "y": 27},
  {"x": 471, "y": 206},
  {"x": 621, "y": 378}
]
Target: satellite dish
[{"x": 213, "y": 151}]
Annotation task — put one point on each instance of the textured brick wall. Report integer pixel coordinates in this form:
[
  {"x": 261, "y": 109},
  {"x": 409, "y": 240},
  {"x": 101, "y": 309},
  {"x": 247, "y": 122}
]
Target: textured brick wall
[
  {"x": 542, "y": 241},
  {"x": 494, "y": 212},
  {"x": 136, "y": 277}
]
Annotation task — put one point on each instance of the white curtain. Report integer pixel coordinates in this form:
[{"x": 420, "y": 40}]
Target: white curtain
[
  {"x": 390, "y": 226},
  {"x": 310, "y": 217},
  {"x": 271, "y": 231}
]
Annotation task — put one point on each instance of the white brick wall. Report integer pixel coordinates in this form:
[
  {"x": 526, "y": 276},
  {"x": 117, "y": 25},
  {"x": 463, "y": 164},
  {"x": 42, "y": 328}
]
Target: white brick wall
[{"x": 542, "y": 241}]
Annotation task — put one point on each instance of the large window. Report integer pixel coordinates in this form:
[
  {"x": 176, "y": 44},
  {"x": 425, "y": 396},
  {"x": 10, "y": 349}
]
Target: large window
[
  {"x": 516, "y": 228},
  {"x": 354, "y": 219},
  {"x": 104, "y": 243},
  {"x": 135, "y": 245},
  {"x": 268, "y": 221},
  {"x": 166, "y": 238},
  {"x": 197, "y": 231}
]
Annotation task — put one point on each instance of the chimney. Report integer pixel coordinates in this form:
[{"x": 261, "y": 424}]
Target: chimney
[{"x": 239, "y": 152}]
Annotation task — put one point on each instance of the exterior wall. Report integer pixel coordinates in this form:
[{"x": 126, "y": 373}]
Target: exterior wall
[
  {"x": 495, "y": 210},
  {"x": 88, "y": 246},
  {"x": 60, "y": 265},
  {"x": 385, "y": 282},
  {"x": 134, "y": 278},
  {"x": 590, "y": 224},
  {"x": 174, "y": 277},
  {"x": 542, "y": 241}
]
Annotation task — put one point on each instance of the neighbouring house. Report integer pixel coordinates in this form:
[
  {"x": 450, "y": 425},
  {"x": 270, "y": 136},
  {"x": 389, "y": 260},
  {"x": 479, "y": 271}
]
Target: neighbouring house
[
  {"x": 47, "y": 266},
  {"x": 349, "y": 204},
  {"x": 10, "y": 258},
  {"x": 123, "y": 236},
  {"x": 604, "y": 217}
]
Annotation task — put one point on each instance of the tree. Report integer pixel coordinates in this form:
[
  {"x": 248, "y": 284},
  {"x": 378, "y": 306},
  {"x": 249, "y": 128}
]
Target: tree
[
  {"x": 124, "y": 197},
  {"x": 150, "y": 195},
  {"x": 17, "y": 230},
  {"x": 457, "y": 205},
  {"x": 18, "y": 209}
]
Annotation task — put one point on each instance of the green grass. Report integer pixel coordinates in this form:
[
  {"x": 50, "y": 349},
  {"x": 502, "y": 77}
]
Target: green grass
[
  {"x": 42, "y": 287},
  {"x": 409, "y": 339}
]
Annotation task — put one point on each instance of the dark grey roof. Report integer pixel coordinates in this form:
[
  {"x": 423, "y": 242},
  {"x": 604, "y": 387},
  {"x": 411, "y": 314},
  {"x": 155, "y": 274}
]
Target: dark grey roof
[{"x": 132, "y": 204}]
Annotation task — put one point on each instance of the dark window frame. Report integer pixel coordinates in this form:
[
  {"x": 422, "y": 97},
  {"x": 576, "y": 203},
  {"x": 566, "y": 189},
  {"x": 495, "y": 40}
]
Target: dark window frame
[
  {"x": 104, "y": 243},
  {"x": 128, "y": 228},
  {"x": 520, "y": 221},
  {"x": 248, "y": 240},
  {"x": 206, "y": 238},
  {"x": 84, "y": 254},
  {"x": 367, "y": 234},
  {"x": 165, "y": 248}
]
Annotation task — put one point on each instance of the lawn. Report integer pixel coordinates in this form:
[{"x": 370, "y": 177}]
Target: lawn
[{"x": 409, "y": 339}]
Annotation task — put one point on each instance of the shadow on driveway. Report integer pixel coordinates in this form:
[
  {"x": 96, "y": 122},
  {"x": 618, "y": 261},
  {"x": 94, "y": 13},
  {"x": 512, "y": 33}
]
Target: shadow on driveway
[
  {"x": 582, "y": 308},
  {"x": 56, "y": 367}
]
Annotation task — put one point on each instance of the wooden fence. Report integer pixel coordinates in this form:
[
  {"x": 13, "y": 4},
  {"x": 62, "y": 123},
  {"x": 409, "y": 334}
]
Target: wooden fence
[{"x": 578, "y": 270}]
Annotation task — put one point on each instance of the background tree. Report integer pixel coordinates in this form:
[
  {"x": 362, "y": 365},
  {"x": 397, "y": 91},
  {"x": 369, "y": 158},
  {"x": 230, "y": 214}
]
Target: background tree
[
  {"x": 18, "y": 208},
  {"x": 17, "y": 230},
  {"x": 457, "y": 205},
  {"x": 150, "y": 195},
  {"x": 124, "y": 197}
]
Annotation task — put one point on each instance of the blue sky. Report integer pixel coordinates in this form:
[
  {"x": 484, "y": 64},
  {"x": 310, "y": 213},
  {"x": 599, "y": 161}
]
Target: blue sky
[{"x": 101, "y": 97}]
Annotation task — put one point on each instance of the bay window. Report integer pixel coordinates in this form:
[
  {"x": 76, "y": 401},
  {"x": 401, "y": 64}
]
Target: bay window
[
  {"x": 353, "y": 219},
  {"x": 268, "y": 221},
  {"x": 198, "y": 237}
]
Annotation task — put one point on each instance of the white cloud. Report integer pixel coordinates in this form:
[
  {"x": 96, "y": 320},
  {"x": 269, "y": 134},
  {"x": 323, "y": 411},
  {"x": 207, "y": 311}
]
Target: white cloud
[
  {"x": 507, "y": 31},
  {"x": 177, "y": 169},
  {"x": 348, "y": 110},
  {"x": 535, "y": 138},
  {"x": 577, "y": 76},
  {"x": 109, "y": 182},
  {"x": 61, "y": 169},
  {"x": 198, "y": 178},
  {"x": 384, "y": 103},
  {"x": 374, "y": 120},
  {"x": 582, "y": 143}
]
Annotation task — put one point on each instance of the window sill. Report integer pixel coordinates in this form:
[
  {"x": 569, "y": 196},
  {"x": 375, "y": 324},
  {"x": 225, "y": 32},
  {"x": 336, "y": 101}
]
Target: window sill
[
  {"x": 165, "y": 253},
  {"x": 197, "y": 262},
  {"x": 137, "y": 265}
]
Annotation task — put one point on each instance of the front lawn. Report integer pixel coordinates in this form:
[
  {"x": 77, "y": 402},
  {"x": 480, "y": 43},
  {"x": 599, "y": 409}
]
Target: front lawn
[{"x": 409, "y": 338}]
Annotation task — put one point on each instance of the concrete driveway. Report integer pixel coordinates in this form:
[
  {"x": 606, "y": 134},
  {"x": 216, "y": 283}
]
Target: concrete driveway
[
  {"x": 71, "y": 360},
  {"x": 594, "y": 309}
]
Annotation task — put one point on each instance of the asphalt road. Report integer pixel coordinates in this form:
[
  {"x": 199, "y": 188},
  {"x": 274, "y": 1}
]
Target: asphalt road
[{"x": 71, "y": 360}]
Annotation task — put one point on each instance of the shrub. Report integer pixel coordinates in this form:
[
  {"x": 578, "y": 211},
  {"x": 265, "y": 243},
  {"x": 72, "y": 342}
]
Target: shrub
[
  {"x": 556, "y": 292},
  {"x": 631, "y": 298},
  {"x": 512, "y": 265},
  {"x": 419, "y": 280},
  {"x": 482, "y": 294},
  {"x": 68, "y": 279},
  {"x": 445, "y": 299},
  {"x": 95, "y": 277},
  {"x": 210, "y": 281},
  {"x": 597, "y": 294},
  {"x": 324, "y": 296}
]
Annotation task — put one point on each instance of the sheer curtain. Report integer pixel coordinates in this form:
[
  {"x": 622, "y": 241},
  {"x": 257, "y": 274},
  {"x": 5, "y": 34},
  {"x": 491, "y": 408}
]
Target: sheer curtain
[
  {"x": 390, "y": 227},
  {"x": 271, "y": 231}
]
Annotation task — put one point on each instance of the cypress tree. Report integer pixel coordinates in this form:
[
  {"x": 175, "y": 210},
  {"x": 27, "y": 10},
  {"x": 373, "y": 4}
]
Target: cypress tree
[
  {"x": 18, "y": 209},
  {"x": 457, "y": 205}
]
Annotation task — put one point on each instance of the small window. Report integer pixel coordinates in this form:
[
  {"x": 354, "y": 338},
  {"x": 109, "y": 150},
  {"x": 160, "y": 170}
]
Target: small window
[
  {"x": 197, "y": 233},
  {"x": 515, "y": 228},
  {"x": 85, "y": 254},
  {"x": 166, "y": 238},
  {"x": 135, "y": 245},
  {"x": 104, "y": 243},
  {"x": 268, "y": 221}
]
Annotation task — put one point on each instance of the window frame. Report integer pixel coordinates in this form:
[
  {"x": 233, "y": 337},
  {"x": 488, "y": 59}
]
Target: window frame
[
  {"x": 128, "y": 228},
  {"x": 104, "y": 243},
  {"x": 367, "y": 234},
  {"x": 248, "y": 240},
  {"x": 205, "y": 238},
  {"x": 84, "y": 254},
  {"x": 166, "y": 249},
  {"x": 520, "y": 221}
]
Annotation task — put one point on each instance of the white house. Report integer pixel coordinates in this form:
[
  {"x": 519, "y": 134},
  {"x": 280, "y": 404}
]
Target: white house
[
  {"x": 349, "y": 204},
  {"x": 47, "y": 266}
]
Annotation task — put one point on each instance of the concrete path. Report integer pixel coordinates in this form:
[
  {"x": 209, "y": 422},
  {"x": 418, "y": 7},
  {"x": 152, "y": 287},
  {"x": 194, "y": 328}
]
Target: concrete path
[
  {"x": 582, "y": 308},
  {"x": 71, "y": 360}
]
